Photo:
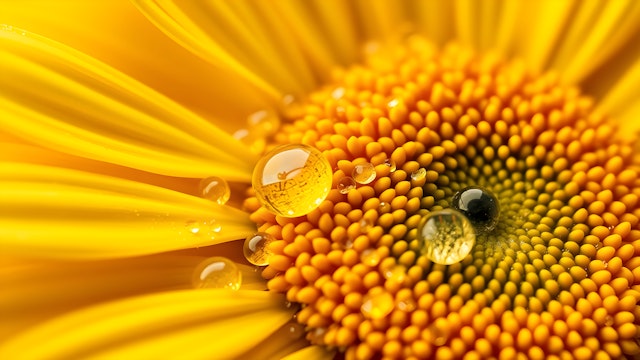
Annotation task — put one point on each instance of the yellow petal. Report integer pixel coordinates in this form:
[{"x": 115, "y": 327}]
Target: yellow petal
[
  {"x": 191, "y": 324},
  {"x": 249, "y": 39},
  {"x": 60, "y": 213},
  {"x": 86, "y": 108},
  {"x": 311, "y": 353},
  {"x": 134, "y": 46}
]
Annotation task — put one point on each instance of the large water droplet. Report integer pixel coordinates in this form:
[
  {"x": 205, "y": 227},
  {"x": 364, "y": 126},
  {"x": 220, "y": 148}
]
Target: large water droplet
[
  {"x": 364, "y": 173},
  {"x": 446, "y": 236},
  {"x": 292, "y": 180},
  {"x": 377, "y": 304},
  {"x": 215, "y": 189},
  {"x": 479, "y": 205},
  {"x": 256, "y": 248},
  {"x": 217, "y": 272}
]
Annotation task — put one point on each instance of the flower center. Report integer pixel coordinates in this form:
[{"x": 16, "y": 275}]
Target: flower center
[{"x": 474, "y": 208}]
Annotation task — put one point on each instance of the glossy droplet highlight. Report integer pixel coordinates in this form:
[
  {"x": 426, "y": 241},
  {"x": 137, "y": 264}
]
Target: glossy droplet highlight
[
  {"x": 217, "y": 273},
  {"x": 215, "y": 189},
  {"x": 377, "y": 304},
  {"x": 364, "y": 173},
  {"x": 391, "y": 164},
  {"x": 292, "y": 180},
  {"x": 346, "y": 184},
  {"x": 396, "y": 274},
  {"x": 479, "y": 205},
  {"x": 193, "y": 227},
  {"x": 256, "y": 248},
  {"x": 446, "y": 236},
  {"x": 295, "y": 330}
]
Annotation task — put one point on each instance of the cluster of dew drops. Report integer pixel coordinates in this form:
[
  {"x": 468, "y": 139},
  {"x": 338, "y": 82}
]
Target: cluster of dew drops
[{"x": 292, "y": 180}]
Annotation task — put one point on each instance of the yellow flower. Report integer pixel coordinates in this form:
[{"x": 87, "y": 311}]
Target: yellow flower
[{"x": 104, "y": 231}]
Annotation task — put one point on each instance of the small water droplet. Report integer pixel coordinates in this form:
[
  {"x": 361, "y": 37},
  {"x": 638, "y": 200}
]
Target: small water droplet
[
  {"x": 292, "y": 180},
  {"x": 364, "y": 173},
  {"x": 193, "y": 227},
  {"x": 256, "y": 248},
  {"x": 338, "y": 93},
  {"x": 370, "y": 257},
  {"x": 384, "y": 208},
  {"x": 391, "y": 164},
  {"x": 346, "y": 184},
  {"x": 439, "y": 332},
  {"x": 393, "y": 103},
  {"x": 215, "y": 189},
  {"x": 218, "y": 273},
  {"x": 377, "y": 304},
  {"x": 365, "y": 225},
  {"x": 407, "y": 305},
  {"x": 419, "y": 174},
  {"x": 397, "y": 273},
  {"x": 446, "y": 236},
  {"x": 295, "y": 330}
]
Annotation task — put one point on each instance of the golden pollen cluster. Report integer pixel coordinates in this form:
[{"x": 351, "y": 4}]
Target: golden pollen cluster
[{"x": 557, "y": 275}]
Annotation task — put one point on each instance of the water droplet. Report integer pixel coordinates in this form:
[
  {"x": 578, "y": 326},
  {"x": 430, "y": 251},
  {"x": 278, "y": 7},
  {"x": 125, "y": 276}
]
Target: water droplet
[
  {"x": 370, "y": 257},
  {"x": 256, "y": 248},
  {"x": 218, "y": 273},
  {"x": 419, "y": 174},
  {"x": 608, "y": 320},
  {"x": 338, "y": 93},
  {"x": 391, "y": 164},
  {"x": 295, "y": 330},
  {"x": 396, "y": 274},
  {"x": 264, "y": 123},
  {"x": 377, "y": 304},
  {"x": 292, "y": 180},
  {"x": 384, "y": 208},
  {"x": 193, "y": 227},
  {"x": 346, "y": 184},
  {"x": 446, "y": 236},
  {"x": 364, "y": 173},
  {"x": 479, "y": 205},
  {"x": 439, "y": 332},
  {"x": 215, "y": 189},
  {"x": 393, "y": 103},
  {"x": 407, "y": 305}
]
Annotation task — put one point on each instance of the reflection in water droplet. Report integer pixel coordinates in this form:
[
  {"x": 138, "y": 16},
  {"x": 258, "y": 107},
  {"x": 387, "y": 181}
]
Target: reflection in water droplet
[
  {"x": 446, "y": 236},
  {"x": 292, "y": 180},
  {"x": 370, "y": 257},
  {"x": 193, "y": 227},
  {"x": 439, "y": 332},
  {"x": 256, "y": 248},
  {"x": 218, "y": 273},
  {"x": 377, "y": 304},
  {"x": 419, "y": 174},
  {"x": 391, "y": 164},
  {"x": 215, "y": 189},
  {"x": 346, "y": 184},
  {"x": 364, "y": 173}
]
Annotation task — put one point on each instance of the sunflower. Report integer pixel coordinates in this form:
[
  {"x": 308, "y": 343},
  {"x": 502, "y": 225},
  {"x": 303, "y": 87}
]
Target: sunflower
[{"x": 325, "y": 179}]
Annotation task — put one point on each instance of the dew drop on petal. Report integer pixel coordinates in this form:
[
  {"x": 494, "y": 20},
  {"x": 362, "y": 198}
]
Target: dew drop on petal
[
  {"x": 217, "y": 273},
  {"x": 446, "y": 236},
  {"x": 193, "y": 227},
  {"x": 256, "y": 248},
  {"x": 292, "y": 180},
  {"x": 370, "y": 257},
  {"x": 346, "y": 184},
  {"x": 419, "y": 174},
  {"x": 215, "y": 189},
  {"x": 364, "y": 173},
  {"x": 377, "y": 304}
]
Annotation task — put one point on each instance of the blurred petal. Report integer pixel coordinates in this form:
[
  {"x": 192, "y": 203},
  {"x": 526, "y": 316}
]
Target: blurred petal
[
  {"x": 61, "y": 213},
  {"x": 187, "y": 324},
  {"x": 60, "y": 98},
  {"x": 311, "y": 353},
  {"x": 249, "y": 39}
]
